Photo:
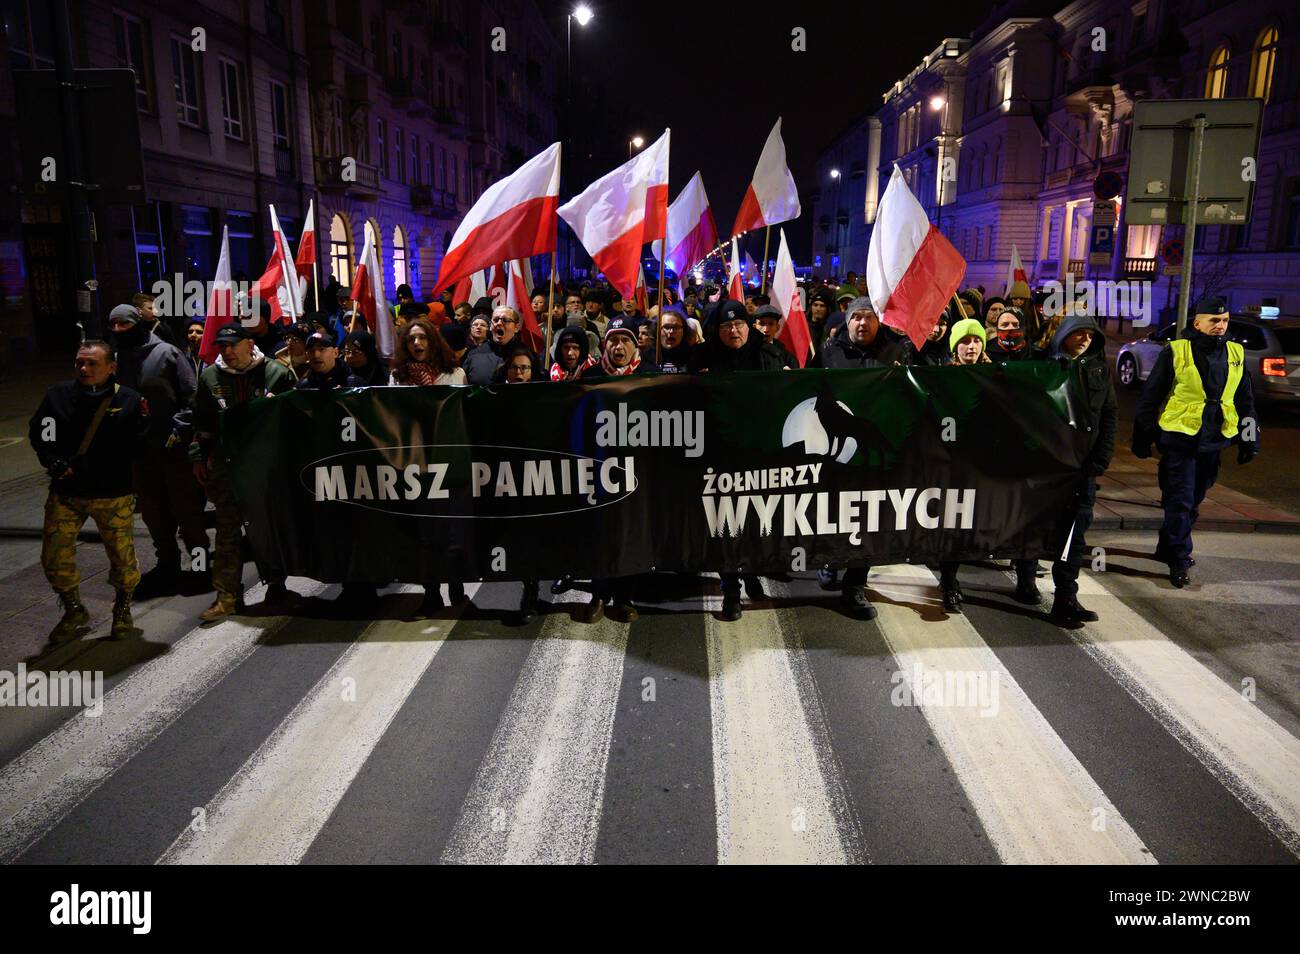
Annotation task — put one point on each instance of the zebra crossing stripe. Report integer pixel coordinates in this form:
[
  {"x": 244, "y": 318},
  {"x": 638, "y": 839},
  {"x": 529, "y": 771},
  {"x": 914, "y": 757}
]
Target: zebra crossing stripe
[
  {"x": 1250, "y": 754},
  {"x": 774, "y": 801},
  {"x": 538, "y": 793},
  {"x": 273, "y": 808},
  {"x": 50, "y": 779},
  {"x": 1036, "y": 802}
]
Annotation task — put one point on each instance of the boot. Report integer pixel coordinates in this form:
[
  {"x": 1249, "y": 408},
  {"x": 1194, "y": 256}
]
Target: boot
[
  {"x": 1066, "y": 611},
  {"x": 952, "y": 598},
  {"x": 162, "y": 580},
  {"x": 432, "y": 603},
  {"x": 456, "y": 593},
  {"x": 854, "y": 602},
  {"x": 754, "y": 588},
  {"x": 594, "y": 609},
  {"x": 624, "y": 610},
  {"x": 730, "y": 607},
  {"x": 123, "y": 625},
  {"x": 1178, "y": 576},
  {"x": 225, "y": 605},
  {"x": 828, "y": 579},
  {"x": 277, "y": 595},
  {"x": 528, "y": 602},
  {"x": 1027, "y": 592},
  {"x": 75, "y": 616}
]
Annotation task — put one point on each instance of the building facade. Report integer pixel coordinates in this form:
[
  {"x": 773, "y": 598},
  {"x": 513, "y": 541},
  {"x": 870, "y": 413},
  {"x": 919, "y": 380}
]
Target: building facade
[
  {"x": 1002, "y": 136},
  {"x": 392, "y": 117}
]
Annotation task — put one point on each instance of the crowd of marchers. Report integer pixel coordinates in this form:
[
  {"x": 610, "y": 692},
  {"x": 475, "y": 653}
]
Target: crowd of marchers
[{"x": 137, "y": 429}]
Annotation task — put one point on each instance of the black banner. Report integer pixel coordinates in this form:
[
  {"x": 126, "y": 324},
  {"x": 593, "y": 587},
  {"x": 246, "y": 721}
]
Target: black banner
[{"x": 758, "y": 472}]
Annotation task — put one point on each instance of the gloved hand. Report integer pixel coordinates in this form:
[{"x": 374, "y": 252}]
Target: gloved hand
[
  {"x": 1142, "y": 451},
  {"x": 1247, "y": 451}
]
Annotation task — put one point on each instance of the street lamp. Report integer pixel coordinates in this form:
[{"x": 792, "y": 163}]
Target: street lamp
[
  {"x": 937, "y": 103},
  {"x": 636, "y": 142},
  {"x": 583, "y": 15},
  {"x": 835, "y": 174}
]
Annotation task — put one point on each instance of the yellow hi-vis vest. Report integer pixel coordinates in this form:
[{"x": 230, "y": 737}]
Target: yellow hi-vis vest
[{"x": 1186, "y": 406}]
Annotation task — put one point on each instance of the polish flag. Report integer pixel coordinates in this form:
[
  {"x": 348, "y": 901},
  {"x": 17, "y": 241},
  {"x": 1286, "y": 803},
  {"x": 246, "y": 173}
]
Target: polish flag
[
  {"x": 498, "y": 284},
  {"x": 513, "y": 218},
  {"x": 751, "y": 270},
  {"x": 278, "y": 284},
  {"x": 621, "y": 211},
  {"x": 785, "y": 293},
  {"x": 470, "y": 288},
  {"x": 912, "y": 269},
  {"x": 306, "y": 260},
  {"x": 1015, "y": 271},
  {"x": 735, "y": 281},
  {"x": 369, "y": 296},
  {"x": 692, "y": 233},
  {"x": 517, "y": 297},
  {"x": 771, "y": 196},
  {"x": 221, "y": 305}
]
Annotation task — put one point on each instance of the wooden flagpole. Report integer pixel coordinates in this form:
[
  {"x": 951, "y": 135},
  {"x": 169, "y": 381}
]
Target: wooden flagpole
[
  {"x": 767, "y": 237},
  {"x": 550, "y": 309},
  {"x": 663, "y": 280}
]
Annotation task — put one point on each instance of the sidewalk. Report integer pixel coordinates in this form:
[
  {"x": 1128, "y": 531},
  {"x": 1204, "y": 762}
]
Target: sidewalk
[{"x": 1128, "y": 498}]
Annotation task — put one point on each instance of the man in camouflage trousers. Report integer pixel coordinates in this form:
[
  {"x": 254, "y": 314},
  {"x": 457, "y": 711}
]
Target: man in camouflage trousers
[
  {"x": 86, "y": 434},
  {"x": 239, "y": 374}
]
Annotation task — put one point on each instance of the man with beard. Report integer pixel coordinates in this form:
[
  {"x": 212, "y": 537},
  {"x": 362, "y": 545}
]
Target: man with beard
[
  {"x": 571, "y": 354},
  {"x": 169, "y": 497},
  {"x": 193, "y": 340},
  {"x": 731, "y": 345},
  {"x": 862, "y": 343},
  {"x": 481, "y": 363}
]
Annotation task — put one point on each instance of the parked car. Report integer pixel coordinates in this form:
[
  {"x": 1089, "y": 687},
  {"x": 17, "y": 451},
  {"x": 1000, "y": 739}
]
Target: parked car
[{"x": 1272, "y": 355}]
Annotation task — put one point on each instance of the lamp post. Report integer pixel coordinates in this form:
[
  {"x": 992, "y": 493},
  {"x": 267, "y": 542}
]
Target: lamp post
[
  {"x": 835, "y": 174},
  {"x": 582, "y": 13},
  {"x": 636, "y": 142},
  {"x": 939, "y": 103}
]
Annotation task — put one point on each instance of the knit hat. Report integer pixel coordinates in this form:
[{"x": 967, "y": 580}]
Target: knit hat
[
  {"x": 846, "y": 291},
  {"x": 124, "y": 313},
  {"x": 964, "y": 329},
  {"x": 455, "y": 335},
  {"x": 1019, "y": 289}
]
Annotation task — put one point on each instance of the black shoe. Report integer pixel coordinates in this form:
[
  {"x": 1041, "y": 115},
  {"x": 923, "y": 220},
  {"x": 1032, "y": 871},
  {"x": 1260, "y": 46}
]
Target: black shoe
[
  {"x": 1027, "y": 592},
  {"x": 754, "y": 588},
  {"x": 160, "y": 581},
  {"x": 624, "y": 611},
  {"x": 1178, "y": 576},
  {"x": 853, "y": 600},
  {"x": 528, "y": 603},
  {"x": 828, "y": 579},
  {"x": 1070, "y": 613},
  {"x": 562, "y": 584},
  {"x": 730, "y": 609},
  {"x": 432, "y": 602},
  {"x": 355, "y": 599},
  {"x": 593, "y": 611},
  {"x": 456, "y": 593},
  {"x": 952, "y": 597}
]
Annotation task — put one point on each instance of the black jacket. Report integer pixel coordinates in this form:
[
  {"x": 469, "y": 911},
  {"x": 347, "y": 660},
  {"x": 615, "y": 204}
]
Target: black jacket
[
  {"x": 1026, "y": 352},
  {"x": 340, "y": 377},
  {"x": 64, "y": 415},
  {"x": 1092, "y": 394},
  {"x": 481, "y": 363},
  {"x": 756, "y": 355},
  {"x": 934, "y": 353},
  {"x": 1210, "y": 354},
  {"x": 883, "y": 352},
  {"x": 671, "y": 360}
]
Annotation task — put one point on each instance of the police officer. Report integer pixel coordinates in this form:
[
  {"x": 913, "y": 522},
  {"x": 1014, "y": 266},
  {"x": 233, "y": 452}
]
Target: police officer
[
  {"x": 86, "y": 434},
  {"x": 240, "y": 373},
  {"x": 1208, "y": 404}
]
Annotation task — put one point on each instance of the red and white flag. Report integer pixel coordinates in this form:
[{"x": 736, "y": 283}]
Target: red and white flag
[
  {"x": 221, "y": 304},
  {"x": 279, "y": 282},
  {"x": 912, "y": 269},
  {"x": 518, "y": 298},
  {"x": 306, "y": 260},
  {"x": 785, "y": 293},
  {"x": 1015, "y": 271},
  {"x": 513, "y": 218},
  {"x": 751, "y": 270},
  {"x": 692, "y": 233},
  {"x": 641, "y": 298},
  {"x": 771, "y": 196},
  {"x": 735, "y": 281},
  {"x": 498, "y": 288},
  {"x": 368, "y": 293},
  {"x": 622, "y": 210}
]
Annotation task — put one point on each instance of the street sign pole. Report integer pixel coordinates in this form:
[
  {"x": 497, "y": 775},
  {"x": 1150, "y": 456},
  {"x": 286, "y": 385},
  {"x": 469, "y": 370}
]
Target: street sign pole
[{"x": 1192, "y": 205}]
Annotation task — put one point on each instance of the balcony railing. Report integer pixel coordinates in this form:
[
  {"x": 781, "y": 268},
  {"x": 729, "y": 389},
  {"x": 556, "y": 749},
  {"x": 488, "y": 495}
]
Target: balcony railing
[
  {"x": 1076, "y": 267},
  {"x": 1140, "y": 267},
  {"x": 283, "y": 161},
  {"x": 329, "y": 177}
]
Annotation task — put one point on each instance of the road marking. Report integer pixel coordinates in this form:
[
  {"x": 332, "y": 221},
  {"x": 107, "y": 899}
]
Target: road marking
[
  {"x": 273, "y": 808},
  {"x": 537, "y": 795},
  {"x": 50, "y": 779},
  {"x": 775, "y": 803},
  {"x": 1035, "y": 800},
  {"x": 1252, "y": 756}
]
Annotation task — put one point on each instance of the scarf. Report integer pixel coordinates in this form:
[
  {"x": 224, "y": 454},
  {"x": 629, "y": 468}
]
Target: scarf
[
  {"x": 416, "y": 372},
  {"x": 559, "y": 374},
  {"x": 629, "y": 368}
]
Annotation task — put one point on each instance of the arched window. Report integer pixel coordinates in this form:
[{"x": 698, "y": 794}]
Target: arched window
[
  {"x": 341, "y": 250},
  {"x": 401, "y": 275},
  {"x": 1216, "y": 80},
  {"x": 1262, "y": 61}
]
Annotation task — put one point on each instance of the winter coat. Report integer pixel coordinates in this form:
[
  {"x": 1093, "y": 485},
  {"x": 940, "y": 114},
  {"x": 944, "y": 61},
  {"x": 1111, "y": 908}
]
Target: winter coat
[
  {"x": 163, "y": 376},
  {"x": 1092, "y": 393},
  {"x": 65, "y": 413},
  {"x": 221, "y": 387}
]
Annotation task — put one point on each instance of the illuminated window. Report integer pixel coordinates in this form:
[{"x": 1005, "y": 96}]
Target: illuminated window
[
  {"x": 1216, "y": 81},
  {"x": 341, "y": 250},
  {"x": 1262, "y": 62},
  {"x": 400, "y": 276}
]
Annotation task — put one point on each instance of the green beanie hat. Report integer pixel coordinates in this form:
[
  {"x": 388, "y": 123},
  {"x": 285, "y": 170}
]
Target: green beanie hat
[{"x": 965, "y": 328}]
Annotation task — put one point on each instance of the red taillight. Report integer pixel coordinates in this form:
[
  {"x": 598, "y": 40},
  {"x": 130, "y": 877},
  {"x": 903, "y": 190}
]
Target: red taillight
[{"x": 1273, "y": 367}]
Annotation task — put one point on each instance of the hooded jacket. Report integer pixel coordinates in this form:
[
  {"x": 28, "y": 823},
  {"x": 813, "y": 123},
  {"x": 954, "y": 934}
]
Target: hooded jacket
[
  {"x": 1210, "y": 355},
  {"x": 1095, "y": 409},
  {"x": 106, "y": 468},
  {"x": 579, "y": 337},
  {"x": 221, "y": 386},
  {"x": 374, "y": 374},
  {"x": 715, "y": 357},
  {"x": 163, "y": 376}
]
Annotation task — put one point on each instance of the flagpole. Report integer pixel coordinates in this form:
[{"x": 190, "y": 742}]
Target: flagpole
[
  {"x": 767, "y": 237},
  {"x": 663, "y": 280},
  {"x": 550, "y": 309}
]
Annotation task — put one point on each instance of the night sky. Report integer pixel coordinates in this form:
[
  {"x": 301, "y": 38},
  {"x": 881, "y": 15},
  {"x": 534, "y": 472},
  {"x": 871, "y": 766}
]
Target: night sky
[{"x": 720, "y": 74}]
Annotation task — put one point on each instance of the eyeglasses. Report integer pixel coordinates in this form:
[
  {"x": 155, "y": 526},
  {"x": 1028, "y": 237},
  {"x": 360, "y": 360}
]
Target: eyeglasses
[{"x": 733, "y": 325}]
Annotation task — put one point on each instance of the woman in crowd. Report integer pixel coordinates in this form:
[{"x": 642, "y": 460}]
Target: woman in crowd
[
  {"x": 423, "y": 358},
  {"x": 363, "y": 360}
]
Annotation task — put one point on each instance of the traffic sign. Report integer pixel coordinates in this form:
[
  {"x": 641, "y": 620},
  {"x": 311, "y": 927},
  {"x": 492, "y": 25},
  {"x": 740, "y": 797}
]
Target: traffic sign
[
  {"x": 1172, "y": 252},
  {"x": 1108, "y": 185}
]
